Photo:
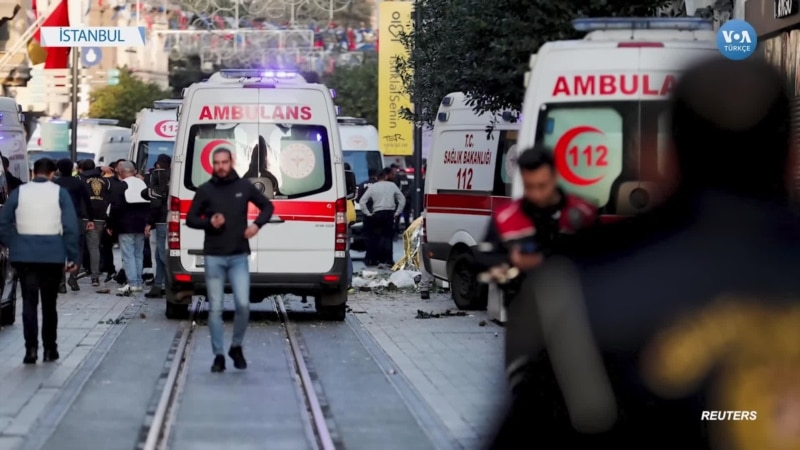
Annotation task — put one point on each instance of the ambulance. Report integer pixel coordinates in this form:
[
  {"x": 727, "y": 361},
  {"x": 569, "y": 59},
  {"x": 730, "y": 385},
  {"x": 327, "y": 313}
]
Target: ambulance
[
  {"x": 360, "y": 149},
  {"x": 12, "y": 138},
  {"x": 154, "y": 132},
  {"x": 601, "y": 104},
  {"x": 98, "y": 139},
  {"x": 469, "y": 172},
  {"x": 284, "y": 135}
]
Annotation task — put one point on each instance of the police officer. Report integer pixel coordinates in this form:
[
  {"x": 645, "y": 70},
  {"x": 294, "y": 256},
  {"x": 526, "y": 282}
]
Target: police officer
[
  {"x": 40, "y": 227},
  {"x": 655, "y": 332},
  {"x": 525, "y": 231},
  {"x": 404, "y": 184}
]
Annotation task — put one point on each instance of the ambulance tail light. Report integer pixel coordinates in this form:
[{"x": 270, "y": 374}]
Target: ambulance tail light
[
  {"x": 174, "y": 224},
  {"x": 640, "y": 45},
  {"x": 341, "y": 228}
]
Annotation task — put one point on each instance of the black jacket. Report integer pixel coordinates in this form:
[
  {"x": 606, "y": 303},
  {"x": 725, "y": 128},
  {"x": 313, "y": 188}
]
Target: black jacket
[
  {"x": 158, "y": 194},
  {"x": 230, "y": 197},
  {"x": 79, "y": 195},
  {"x": 99, "y": 190},
  {"x": 129, "y": 210},
  {"x": 13, "y": 182},
  {"x": 403, "y": 183}
]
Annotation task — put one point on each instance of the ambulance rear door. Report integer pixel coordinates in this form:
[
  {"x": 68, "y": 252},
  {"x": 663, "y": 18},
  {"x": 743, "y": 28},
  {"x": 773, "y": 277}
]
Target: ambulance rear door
[
  {"x": 300, "y": 151},
  {"x": 216, "y": 119}
]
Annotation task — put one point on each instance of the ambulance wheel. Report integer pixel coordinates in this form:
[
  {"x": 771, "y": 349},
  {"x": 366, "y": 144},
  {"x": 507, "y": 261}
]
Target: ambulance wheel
[
  {"x": 335, "y": 312},
  {"x": 468, "y": 293}
]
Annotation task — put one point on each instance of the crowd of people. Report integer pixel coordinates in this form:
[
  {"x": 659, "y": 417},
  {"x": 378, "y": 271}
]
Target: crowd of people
[{"x": 64, "y": 225}]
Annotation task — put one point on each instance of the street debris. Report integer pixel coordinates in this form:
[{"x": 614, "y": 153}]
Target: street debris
[
  {"x": 447, "y": 313},
  {"x": 482, "y": 323}
]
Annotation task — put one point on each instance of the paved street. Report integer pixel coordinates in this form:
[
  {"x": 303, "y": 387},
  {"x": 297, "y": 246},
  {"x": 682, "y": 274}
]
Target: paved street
[{"x": 384, "y": 378}]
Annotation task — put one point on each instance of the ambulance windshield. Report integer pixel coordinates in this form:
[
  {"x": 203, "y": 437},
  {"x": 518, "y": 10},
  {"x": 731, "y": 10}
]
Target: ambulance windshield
[
  {"x": 295, "y": 157},
  {"x": 598, "y": 146},
  {"x": 149, "y": 151}
]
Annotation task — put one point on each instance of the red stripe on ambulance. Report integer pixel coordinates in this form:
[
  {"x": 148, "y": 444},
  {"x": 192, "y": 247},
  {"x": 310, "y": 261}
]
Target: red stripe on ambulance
[
  {"x": 294, "y": 211},
  {"x": 473, "y": 205}
]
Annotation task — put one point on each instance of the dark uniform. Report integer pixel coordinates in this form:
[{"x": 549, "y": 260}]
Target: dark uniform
[
  {"x": 535, "y": 229},
  {"x": 679, "y": 328},
  {"x": 404, "y": 184}
]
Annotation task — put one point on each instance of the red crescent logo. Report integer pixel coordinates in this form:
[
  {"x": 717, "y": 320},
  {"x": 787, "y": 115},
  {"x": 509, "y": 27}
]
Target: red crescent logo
[
  {"x": 205, "y": 153},
  {"x": 166, "y": 128},
  {"x": 560, "y": 156}
]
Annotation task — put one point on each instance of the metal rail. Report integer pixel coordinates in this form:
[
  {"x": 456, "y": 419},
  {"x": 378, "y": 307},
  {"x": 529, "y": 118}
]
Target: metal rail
[
  {"x": 159, "y": 431},
  {"x": 320, "y": 425}
]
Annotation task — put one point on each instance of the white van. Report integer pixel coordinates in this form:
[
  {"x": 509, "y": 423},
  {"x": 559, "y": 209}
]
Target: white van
[
  {"x": 283, "y": 133},
  {"x": 98, "y": 139},
  {"x": 468, "y": 176},
  {"x": 103, "y": 138},
  {"x": 12, "y": 138},
  {"x": 360, "y": 149},
  {"x": 154, "y": 133}
]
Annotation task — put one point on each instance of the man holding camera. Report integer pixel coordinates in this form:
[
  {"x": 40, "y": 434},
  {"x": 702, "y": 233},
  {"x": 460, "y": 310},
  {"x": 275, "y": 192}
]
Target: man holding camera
[{"x": 40, "y": 227}]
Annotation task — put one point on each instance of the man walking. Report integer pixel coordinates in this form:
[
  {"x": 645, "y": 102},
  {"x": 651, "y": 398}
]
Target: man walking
[
  {"x": 83, "y": 208},
  {"x": 39, "y": 226},
  {"x": 158, "y": 194},
  {"x": 220, "y": 209},
  {"x": 387, "y": 203},
  {"x": 98, "y": 188},
  {"x": 128, "y": 219}
]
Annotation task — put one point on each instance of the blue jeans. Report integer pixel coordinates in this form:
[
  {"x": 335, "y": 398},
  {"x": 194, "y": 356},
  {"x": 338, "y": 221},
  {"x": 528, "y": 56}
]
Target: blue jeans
[
  {"x": 161, "y": 255},
  {"x": 236, "y": 269},
  {"x": 132, "y": 246}
]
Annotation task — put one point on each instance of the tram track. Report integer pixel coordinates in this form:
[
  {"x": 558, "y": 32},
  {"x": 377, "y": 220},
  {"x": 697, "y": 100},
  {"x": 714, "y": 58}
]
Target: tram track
[{"x": 158, "y": 428}]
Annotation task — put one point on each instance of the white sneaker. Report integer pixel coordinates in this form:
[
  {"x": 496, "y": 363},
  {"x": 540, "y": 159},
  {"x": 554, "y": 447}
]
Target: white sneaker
[{"x": 128, "y": 289}]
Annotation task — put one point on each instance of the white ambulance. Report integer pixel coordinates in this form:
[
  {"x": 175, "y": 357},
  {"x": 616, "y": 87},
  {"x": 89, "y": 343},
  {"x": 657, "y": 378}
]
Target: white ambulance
[
  {"x": 469, "y": 171},
  {"x": 360, "y": 149},
  {"x": 154, "y": 132},
  {"x": 601, "y": 105},
  {"x": 98, "y": 139},
  {"x": 12, "y": 138},
  {"x": 284, "y": 134}
]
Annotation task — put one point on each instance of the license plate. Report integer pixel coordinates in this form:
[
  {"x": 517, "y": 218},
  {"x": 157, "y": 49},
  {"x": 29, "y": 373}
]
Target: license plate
[{"x": 199, "y": 261}]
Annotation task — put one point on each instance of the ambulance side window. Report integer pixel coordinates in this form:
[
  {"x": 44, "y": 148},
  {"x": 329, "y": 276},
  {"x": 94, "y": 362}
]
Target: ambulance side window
[{"x": 506, "y": 163}]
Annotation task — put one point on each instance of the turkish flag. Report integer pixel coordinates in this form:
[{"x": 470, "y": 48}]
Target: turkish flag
[{"x": 54, "y": 57}]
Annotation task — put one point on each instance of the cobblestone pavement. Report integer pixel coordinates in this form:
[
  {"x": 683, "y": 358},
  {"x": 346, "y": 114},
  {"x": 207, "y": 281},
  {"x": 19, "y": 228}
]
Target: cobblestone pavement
[
  {"x": 455, "y": 363},
  {"x": 28, "y": 391}
]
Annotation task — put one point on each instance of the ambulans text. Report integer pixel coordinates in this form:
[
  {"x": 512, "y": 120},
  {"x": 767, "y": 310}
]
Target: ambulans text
[
  {"x": 255, "y": 112},
  {"x": 599, "y": 85}
]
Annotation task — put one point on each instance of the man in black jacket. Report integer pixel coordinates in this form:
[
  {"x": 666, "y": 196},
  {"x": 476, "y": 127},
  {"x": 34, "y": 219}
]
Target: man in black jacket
[
  {"x": 220, "y": 209},
  {"x": 83, "y": 207},
  {"x": 128, "y": 219},
  {"x": 158, "y": 194},
  {"x": 99, "y": 189}
]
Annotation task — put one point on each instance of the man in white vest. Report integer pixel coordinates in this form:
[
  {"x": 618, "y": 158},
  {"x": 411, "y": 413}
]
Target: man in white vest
[
  {"x": 127, "y": 218},
  {"x": 39, "y": 226}
]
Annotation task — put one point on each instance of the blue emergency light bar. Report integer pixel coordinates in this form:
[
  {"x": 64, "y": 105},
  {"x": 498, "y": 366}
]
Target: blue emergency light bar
[
  {"x": 259, "y": 73},
  {"x": 643, "y": 23}
]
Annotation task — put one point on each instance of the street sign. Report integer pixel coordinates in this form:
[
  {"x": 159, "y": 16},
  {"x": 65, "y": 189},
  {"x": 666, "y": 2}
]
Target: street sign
[
  {"x": 112, "y": 78},
  {"x": 91, "y": 56}
]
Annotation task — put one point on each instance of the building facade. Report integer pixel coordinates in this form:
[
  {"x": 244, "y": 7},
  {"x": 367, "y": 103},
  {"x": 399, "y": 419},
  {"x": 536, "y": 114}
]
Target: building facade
[{"x": 777, "y": 24}]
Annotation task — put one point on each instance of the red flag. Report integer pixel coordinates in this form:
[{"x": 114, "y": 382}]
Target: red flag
[{"x": 57, "y": 57}]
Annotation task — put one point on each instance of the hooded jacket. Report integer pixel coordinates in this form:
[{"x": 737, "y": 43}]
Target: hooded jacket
[
  {"x": 99, "y": 190},
  {"x": 229, "y": 196}
]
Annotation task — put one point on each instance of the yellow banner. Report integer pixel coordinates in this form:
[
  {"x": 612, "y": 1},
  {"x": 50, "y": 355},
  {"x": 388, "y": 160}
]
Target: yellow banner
[{"x": 396, "y": 133}]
